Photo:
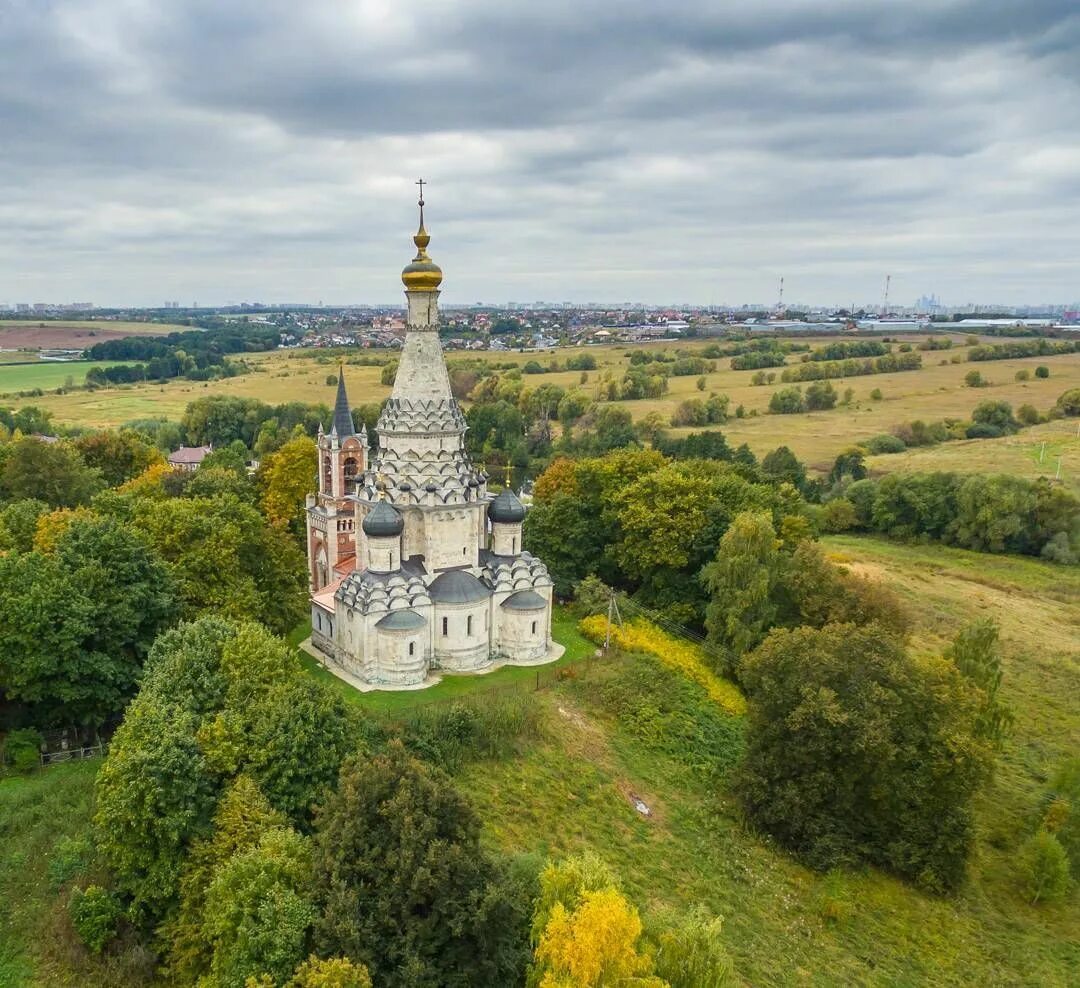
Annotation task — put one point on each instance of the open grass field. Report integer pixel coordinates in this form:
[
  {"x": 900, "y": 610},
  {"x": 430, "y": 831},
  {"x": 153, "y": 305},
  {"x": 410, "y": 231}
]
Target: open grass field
[
  {"x": 934, "y": 392},
  {"x": 45, "y": 374},
  {"x": 1031, "y": 453},
  {"x": 570, "y": 792},
  {"x": 71, "y": 333},
  {"x": 569, "y": 789}
]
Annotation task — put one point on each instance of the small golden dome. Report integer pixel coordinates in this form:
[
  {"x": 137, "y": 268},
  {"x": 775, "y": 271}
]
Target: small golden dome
[{"x": 422, "y": 274}]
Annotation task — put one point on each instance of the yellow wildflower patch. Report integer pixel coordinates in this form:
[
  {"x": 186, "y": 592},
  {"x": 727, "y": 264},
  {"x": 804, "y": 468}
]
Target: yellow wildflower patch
[{"x": 640, "y": 635}]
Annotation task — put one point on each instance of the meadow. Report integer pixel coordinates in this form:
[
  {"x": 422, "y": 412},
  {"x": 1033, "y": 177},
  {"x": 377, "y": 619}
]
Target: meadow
[
  {"x": 569, "y": 786},
  {"x": 934, "y": 392},
  {"x": 1030, "y": 453},
  {"x": 46, "y": 374}
]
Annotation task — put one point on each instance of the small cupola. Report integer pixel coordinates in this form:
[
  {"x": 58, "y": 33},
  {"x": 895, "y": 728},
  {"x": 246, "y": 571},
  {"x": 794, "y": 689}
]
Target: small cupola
[
  {"x": 506, "y": 509},
  {"x": 384, "y": 521}
]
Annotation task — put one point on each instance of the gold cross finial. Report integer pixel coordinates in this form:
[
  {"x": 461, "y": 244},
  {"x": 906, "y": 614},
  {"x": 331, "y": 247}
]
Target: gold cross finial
[
  {"x": 507, "y": 474},
  {"x": 421, "y": 183},
  {"x": 380, "y": 486}
]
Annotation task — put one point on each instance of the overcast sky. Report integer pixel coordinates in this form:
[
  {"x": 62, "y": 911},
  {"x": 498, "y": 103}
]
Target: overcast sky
[{"x": 226, "y": 150}]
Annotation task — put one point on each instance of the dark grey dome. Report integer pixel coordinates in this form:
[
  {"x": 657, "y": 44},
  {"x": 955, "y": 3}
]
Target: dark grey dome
[
  {"x": 401, "y": 621},
  {"x": 383, "y": 521},
  {"x": 457, "y": 587},
  {"x": 506, "y": 508},
  {"x": 524, "y": 600}
]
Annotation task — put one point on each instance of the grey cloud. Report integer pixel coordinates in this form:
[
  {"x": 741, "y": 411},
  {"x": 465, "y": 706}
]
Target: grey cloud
[{"x": 267, "y": 149}]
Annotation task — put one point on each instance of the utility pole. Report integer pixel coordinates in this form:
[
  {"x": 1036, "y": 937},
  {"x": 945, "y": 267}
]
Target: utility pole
[{"x": 612, "y": 615}]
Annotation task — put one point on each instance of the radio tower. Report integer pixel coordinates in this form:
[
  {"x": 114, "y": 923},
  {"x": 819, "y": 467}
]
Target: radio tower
[
  {"x": 885, "y": 297},
  {"x": 780, "y": 300}
]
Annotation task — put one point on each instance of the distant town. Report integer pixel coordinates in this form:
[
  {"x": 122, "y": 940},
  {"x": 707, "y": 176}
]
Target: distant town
[{"x": 546, "y": 325}]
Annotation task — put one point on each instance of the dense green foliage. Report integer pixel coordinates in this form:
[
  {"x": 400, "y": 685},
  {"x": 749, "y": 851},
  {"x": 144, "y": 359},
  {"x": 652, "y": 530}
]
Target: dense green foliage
[
  {"x": 990, "y": 513},
  {"x": 857, "y": 751},
  {"x": 76, "y": 623},
  {"x": 198, "y": 355},
  {"x": 218, "y": 700},
  {"x": 643, "y": 523},
  {"x": 404, "y": 885},
  {"x": 758, "y": 582}
]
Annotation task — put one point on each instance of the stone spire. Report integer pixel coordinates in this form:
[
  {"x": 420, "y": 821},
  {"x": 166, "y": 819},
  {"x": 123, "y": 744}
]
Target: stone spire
[
  {"x": 342, "y": 422},
  {"x": 421, "y": 428}
]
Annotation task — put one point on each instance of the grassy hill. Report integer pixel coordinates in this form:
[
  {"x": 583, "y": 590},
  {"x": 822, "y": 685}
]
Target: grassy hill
[{"x": 631, "y": 729}]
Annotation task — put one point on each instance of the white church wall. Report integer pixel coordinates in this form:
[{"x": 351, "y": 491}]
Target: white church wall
[{"x": 462, "y": 636}]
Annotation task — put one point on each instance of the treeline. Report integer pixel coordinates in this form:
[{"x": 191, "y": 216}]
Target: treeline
[
  {"x": 887, "y": 364},
  {"x": 195, "y": 355},
  {"x": 672, "y": 363},
  {"x": 842, "y": 349},
  {"x": 984, "y": 512},
  {"x": 1022, "y": 348}
]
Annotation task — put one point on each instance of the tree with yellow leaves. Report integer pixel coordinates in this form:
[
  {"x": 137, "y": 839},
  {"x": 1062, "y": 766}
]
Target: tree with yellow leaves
[
  {"x": 288, "y": 476},
  {"x": 594, "y": 946}
]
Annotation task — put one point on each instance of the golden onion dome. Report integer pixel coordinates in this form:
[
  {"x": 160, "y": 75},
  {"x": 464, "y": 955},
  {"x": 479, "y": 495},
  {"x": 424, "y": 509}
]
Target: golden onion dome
[{"x": 422, "y": 274}]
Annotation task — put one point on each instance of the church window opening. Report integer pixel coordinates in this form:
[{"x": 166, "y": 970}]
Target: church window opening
[
  {"x": 513, "y": 546},
  {"x": 412, "y": 648},
  {"x": 328, "y": 473},
  {"x": 534, "y": 628},
  {"x": 445, "y": 622},
  {"x": 468, "y": 625}
]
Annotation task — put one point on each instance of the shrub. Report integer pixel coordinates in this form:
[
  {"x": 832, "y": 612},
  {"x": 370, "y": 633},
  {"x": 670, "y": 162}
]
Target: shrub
[
  {"x": 1068, "y": 402},
  {"x": 70, "y": 857},
  {"x": 973, "y": 379},
  {"x": 691, "y": 954},
  {"x": 996, "y": 413},
  {"x": 22, "y": 749},
  {"x": 331, "y": 379},
  {"x": 1045, "y": 867},
  {"x": 787, "y": 401},
  {"x": 1042, "y": 371},
  {"x": 885, "y": 443},
  {"x": 820, "y": 395},
  {"x": 95, "y": 914},
  {"x": 337, "y": 972},
  {"x": 838, "y": 515},
  {"x": 876, "y": 395},
  {"x": 1028, "y": 414},
  {"x": 983, "y": 430},
  {"x": 1023, "y": 375}
]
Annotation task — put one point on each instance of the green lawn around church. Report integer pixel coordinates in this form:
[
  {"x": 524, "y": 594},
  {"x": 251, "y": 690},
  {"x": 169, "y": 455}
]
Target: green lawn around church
[{"x": 396, "y": 702}]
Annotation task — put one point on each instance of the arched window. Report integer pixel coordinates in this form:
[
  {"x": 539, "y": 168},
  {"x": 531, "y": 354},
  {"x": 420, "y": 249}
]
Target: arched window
[
  {"x": 350, "y": 471},
  {"x": 445, "y": 624},
  {"x": 468, "y": 625},
  {"x": 412, "y": 648},
  {"x": 534, "y": 628}
]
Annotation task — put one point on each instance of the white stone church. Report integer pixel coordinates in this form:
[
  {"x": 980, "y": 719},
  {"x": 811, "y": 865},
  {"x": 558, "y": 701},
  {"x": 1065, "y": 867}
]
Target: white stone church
[{"x": 414, "y": 566}]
